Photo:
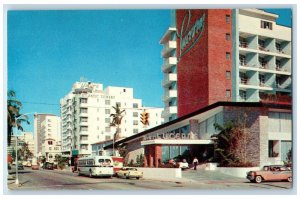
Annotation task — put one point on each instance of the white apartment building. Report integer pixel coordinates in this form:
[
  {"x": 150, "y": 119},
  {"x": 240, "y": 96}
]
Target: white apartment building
[
  {"x": 38, "y": 119},
  {"x": 51, "y": 136},
  {"x": 170, "y": 74},
  {"x": 262, "y": 56},
  {"x": 86, "y": 119},
  {"x": 50, "y": 149}
]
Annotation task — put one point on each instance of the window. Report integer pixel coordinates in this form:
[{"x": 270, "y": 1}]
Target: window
[
  {"x": 124, "y": 90},
  {"x": 84, "y": 146},
  {"x": 228, "y": 36},
  {"x": 266, "y": 25},
  {"x": 243, "y": 95},
  {"x": 280, "y": 122},
  {"x": 50, "y": 148},
  {"x": 107, "y": 137},
  {"x": 135, "y": 122},
  {"x": 135, "y": 114},
  {"x": 107, "y": 102},
  {"x": 107, "y": 129},
  {"x": 273, "y": 148},
  {"x": 242, "y": 60},
  {"x": 83, "y": 110},
  {"x": 228, "y": 93},
  {"x": 135, "y": 105},
  {"x": 83, "y": 119},
  {"x": 107, "y": 120},
  {"x": 50, "y": 142},
  {"x": 107, "y": 111},
  {"x": 228, "y": 55},
  {"x": 84, "y": 137},
  {"x": 278, "y": 47},
  {"x": 228, "y": 75},
  {"x": 83, "y": 100},
  {"x": 50, "y": 156},
  {"x": 135, "y": 131},
  {"x": 227, "y": 18},
  {"x": 83, "y": 128},
  {"x": 261, "y": 79}
]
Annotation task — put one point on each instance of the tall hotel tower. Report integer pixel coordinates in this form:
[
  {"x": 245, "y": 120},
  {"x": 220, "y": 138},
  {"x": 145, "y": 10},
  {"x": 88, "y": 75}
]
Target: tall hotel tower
[
  {"x": 86, "y": 111},
  {"x": 212, "y": 55}
]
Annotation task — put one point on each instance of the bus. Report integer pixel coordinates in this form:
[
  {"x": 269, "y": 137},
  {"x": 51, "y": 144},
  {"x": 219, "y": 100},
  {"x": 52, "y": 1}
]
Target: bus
[{"x": 91, "y": 166}]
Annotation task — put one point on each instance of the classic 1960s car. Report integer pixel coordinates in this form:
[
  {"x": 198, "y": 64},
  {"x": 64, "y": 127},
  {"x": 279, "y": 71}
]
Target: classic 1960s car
[
  {"x": 270, "y": 173},
  {"x": 129, "y": 172}
]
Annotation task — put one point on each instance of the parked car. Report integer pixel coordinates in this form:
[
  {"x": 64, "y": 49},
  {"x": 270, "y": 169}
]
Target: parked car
[
  {"x": 129, "y": 172},
  {"x": 35, "y": 167},
  {"x": 48, "y": 165},
  {"x": 270, "y": 173},
  {"x": 20, "y": 167}
]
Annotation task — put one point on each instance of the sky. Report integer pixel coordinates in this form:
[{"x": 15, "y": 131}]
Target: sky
[{"x": 48, "y": 51}]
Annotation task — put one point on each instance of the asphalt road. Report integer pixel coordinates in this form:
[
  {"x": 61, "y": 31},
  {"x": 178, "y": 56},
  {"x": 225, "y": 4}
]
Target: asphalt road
[{"x": 50, "y": 180}]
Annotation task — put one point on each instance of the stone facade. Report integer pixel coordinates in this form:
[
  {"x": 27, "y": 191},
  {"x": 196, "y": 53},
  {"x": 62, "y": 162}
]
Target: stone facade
[{"x": 251, "y": 116}]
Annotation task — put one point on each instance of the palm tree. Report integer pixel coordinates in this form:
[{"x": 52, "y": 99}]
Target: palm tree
[
  {"x": 14, "y": 117},
  {"x": 117, "y": 119}
]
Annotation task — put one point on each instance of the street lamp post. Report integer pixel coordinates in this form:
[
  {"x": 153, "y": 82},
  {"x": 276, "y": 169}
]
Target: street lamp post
[{"x": 17, "y": 174}]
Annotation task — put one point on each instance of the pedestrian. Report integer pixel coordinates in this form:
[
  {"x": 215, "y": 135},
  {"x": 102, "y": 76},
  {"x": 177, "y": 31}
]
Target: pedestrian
[{"x": 195, "y": 162}]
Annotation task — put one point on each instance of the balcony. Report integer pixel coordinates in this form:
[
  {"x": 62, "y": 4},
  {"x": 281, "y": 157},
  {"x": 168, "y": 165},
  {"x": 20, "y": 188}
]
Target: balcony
[
  {"x": 169, "y": 110},
  {"x": 169, "y": 95},
  {"x": 169, "y": 78},
  {"x": 263, "y": 65},
  {"x": 168, "y": 47},
  {"x": 243, "y": 44},
  {"x": 168, "y": 63}
]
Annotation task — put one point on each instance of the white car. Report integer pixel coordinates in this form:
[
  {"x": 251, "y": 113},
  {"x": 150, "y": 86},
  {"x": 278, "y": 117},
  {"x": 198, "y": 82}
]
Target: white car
[{"x": 183, "y": 165}]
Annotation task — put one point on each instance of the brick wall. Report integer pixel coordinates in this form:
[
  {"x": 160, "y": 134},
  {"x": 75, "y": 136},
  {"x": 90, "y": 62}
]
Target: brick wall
[{"x": 201, "y": 72}]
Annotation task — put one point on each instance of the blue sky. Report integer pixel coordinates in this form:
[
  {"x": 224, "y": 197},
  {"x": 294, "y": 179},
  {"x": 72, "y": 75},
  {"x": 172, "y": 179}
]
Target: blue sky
[{"x": 49, "y": 50}]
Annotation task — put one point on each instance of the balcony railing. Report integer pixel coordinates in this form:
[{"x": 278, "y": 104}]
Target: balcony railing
[
  {"x": 263, "y": 65},
  {"x": 243, "y": 44},
  {"x": 243, "y": 63},
  {"x": 244, "y": 81}
]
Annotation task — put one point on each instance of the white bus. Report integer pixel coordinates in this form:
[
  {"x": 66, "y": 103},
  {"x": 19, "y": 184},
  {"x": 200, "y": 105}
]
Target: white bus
[{"x": 95, "y": 166}]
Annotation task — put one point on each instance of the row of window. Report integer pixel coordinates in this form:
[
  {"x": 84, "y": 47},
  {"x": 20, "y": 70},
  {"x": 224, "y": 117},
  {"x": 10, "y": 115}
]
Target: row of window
[{"x": 107, "y": 102}]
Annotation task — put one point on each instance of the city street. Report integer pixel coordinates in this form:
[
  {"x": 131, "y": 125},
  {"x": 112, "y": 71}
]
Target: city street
[{"x": 47, "y": 180}]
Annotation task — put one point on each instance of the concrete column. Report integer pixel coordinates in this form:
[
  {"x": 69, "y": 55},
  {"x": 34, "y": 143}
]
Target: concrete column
[
  {"x": 157, "y": 155},
  {"x": 194, "y": 126}
]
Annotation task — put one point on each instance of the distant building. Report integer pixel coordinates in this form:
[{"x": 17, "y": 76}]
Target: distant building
[
  {"x": 51, "y": 148},
  {"x": 24, "y": 137},
  {"x": 86, "y": 116},
  {"x": 38, "y": 119},
  {"x": 51, "y": 137}
]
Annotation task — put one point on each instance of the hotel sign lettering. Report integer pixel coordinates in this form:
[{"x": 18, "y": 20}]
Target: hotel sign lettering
[
  {"x": 189, "y": 37},
  {"x": 170, "y": 136}
]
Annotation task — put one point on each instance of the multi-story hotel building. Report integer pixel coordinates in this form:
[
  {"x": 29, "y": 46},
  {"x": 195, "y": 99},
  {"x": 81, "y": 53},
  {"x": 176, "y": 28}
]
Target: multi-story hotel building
[
  {"x": 86, "y": 116},
  {"x": 231, "y": 65},
  {"x": 51, "y": 137},
  {"x": 24, "y": 137},
  {"x": 170, "y": 74},
  {"x": 238, "y": 55},
  {"x": 38, "y": 119}
]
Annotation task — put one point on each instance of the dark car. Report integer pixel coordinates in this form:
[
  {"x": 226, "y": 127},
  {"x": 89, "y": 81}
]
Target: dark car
[
  {"x": 48, "y": 165},
  {"x": 20, "y": 167}
]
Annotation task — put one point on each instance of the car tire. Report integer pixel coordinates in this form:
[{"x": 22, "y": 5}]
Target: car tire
[
  {"x": 258, "y": 179},
  {"x": 137, "y": 178},
  {"x": 289, "y": 179}
]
